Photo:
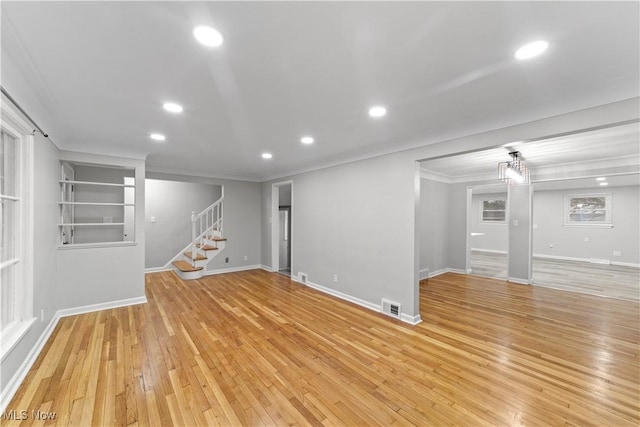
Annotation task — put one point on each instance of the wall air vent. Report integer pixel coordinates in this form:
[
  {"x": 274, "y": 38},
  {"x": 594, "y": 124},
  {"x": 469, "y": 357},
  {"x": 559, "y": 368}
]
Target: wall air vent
[{"x": 391, "y": 308}]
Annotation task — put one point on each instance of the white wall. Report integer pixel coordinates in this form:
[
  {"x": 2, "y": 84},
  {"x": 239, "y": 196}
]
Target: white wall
[
  {"x": 98, "y": 275},
  {"x": 347, "y": 221},
  {"x": 241, "y": 220},
  {"x": 434, "y": 221},
  {"x": 548, "y": 216},
  {"x": 170, "y": 203},
  {"x": 284, "y": 195}
]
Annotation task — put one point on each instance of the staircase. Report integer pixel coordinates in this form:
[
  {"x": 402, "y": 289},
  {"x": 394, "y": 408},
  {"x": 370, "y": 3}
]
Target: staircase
[{"x": 207, "y": 242}]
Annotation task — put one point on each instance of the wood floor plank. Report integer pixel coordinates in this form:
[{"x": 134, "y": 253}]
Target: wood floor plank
[{"x": 255, "y": 348}]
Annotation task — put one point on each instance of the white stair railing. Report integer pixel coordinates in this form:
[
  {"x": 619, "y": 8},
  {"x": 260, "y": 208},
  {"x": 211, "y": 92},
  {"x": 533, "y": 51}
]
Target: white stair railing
[{"x": 205, "y": 224}]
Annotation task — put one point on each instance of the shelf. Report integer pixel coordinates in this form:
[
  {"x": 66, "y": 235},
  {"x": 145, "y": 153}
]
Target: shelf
[
  {"x": 95, "y": 183},
  {"x": 76, "y": 224},
  {"x": 96, "y": 245},
  {"x": 95, "y": 204}
]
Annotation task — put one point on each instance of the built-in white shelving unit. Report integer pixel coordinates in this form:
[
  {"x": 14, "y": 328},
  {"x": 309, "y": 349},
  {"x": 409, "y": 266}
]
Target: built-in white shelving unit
[{"x": 96, "y": 209}]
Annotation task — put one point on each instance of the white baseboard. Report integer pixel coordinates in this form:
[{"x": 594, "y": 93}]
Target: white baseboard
[
  {"x": 102, "y": 306},
  {"x": 267, "y": 268},
  {"x": 600, "y": 261},
  {"x": 587, "y": 260},
  {"x": 231, "y": 269},
  {"x": 626, "y": 264},
  {"x": 446, "y": 270},
  {"x": 338, "y": 294},
  {"x": 156, "y": 269},
  {"x": 12, "y": 386},
  {"x": 560, "y": 258},
  {"x": 489, "y": 251},
  {"x": 413, "y": 320},
  {"x": 438, "y": 272},
  {"x": 518, "y": 280}
]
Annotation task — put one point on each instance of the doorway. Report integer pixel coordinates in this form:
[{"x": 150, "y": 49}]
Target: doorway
[
  {"x": 487, "y": 231},
  {"x": 281, "y": 229},
  {"x": 284, "y": 233}
]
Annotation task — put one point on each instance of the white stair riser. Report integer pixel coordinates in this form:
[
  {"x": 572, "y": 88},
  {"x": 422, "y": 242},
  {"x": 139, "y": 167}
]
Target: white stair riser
[
  {"x": 200, "y": 263},
  {"x": 189, "y": 275}
]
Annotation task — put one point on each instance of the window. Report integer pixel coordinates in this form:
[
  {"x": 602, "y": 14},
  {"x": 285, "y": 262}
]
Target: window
[
  {"x": 10, "y": 220},
  {"x": 15, "y": 229},
  {"x": 494, "y": 210},
  {"x": 587, "y": 210}
]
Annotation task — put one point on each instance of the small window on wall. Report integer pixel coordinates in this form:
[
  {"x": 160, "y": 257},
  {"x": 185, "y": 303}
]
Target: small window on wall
[
  {"x": 494, "y": 210},
  {"x": 587, "y": 210}
]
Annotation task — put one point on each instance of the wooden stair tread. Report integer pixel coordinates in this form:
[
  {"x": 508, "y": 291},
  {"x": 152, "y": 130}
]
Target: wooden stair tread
[
  {"x": 217, "y": 239},
  {"x": 206, "y": 247},
  {"x": 185, "y": 266},
  {"x": 199, "y": 257}
]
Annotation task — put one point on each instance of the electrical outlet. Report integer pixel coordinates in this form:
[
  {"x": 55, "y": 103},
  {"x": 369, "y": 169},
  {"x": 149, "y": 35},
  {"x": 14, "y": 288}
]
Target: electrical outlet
[
  {"x": 246, "y": 258},
  {"x": 550, "y": 245},
  {"x": 586, "y": 239},
  {"x": 226, "y": 260},
  {"x": 42, "y": 315},
  {"x": 617, "y": 253},
  {"x": 335, "y": 278}
]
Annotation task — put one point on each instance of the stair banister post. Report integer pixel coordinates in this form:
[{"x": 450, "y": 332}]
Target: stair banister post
[{"x": 193, "y": 239}]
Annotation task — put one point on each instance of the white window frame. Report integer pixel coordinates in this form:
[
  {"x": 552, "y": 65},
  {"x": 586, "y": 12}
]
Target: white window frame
[
  {"x": 482, "y": 210},
  {"x": 17, "y": 127},
  {"x": 606, "y": 223}
]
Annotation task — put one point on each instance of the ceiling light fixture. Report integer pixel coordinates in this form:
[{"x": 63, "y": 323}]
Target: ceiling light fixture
[
  {"x": 377, "y": 111},
  {"x": 532, "y": 49},
  {"x": 267, "y": 155},
  {"x": 157, "y": 137},
  {"x": 604, "y": 183},
  {"x": 208, "y": 36},
  {"x": 306, "y": 140},
  {"x": 513, "y": 171},
  {"x": 602, "y": 178},
  {"x": 172, "y": 107}
]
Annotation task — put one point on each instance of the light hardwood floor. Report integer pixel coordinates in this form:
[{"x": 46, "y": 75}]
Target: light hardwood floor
[
  {"x": 255, "y": 348},
  {"x": 612, "y": 281}
]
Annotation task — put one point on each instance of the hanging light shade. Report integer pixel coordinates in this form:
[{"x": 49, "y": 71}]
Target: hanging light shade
[{"x": 513, "y": 171}]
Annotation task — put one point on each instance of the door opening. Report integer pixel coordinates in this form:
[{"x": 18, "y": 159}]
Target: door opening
[{"x": 281, "y": 227}]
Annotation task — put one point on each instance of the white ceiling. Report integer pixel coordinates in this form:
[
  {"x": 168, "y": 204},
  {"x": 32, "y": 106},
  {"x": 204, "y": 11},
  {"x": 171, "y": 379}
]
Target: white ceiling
[
  {"x": 103, "y": 69},
  {"x": 614, "y": 146}
]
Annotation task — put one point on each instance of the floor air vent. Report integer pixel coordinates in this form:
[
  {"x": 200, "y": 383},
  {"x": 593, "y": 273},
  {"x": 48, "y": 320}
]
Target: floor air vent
[{"x": 391, "y": 308}]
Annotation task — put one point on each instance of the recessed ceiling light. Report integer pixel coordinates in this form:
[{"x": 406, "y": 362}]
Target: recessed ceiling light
[
  {"x": 604, "y": 183},
  {"x": 208, "y": 36},
  {"x": 172, "y": 107},
  {"x": 602, "y": 178},
  {"x": 306, "y": 140},
  {"x": 267, "y": 155},
  {"x": 157, "y": 137},
  {"x": 532, "y": 49},
  {"x": 377, "y": 111}
]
